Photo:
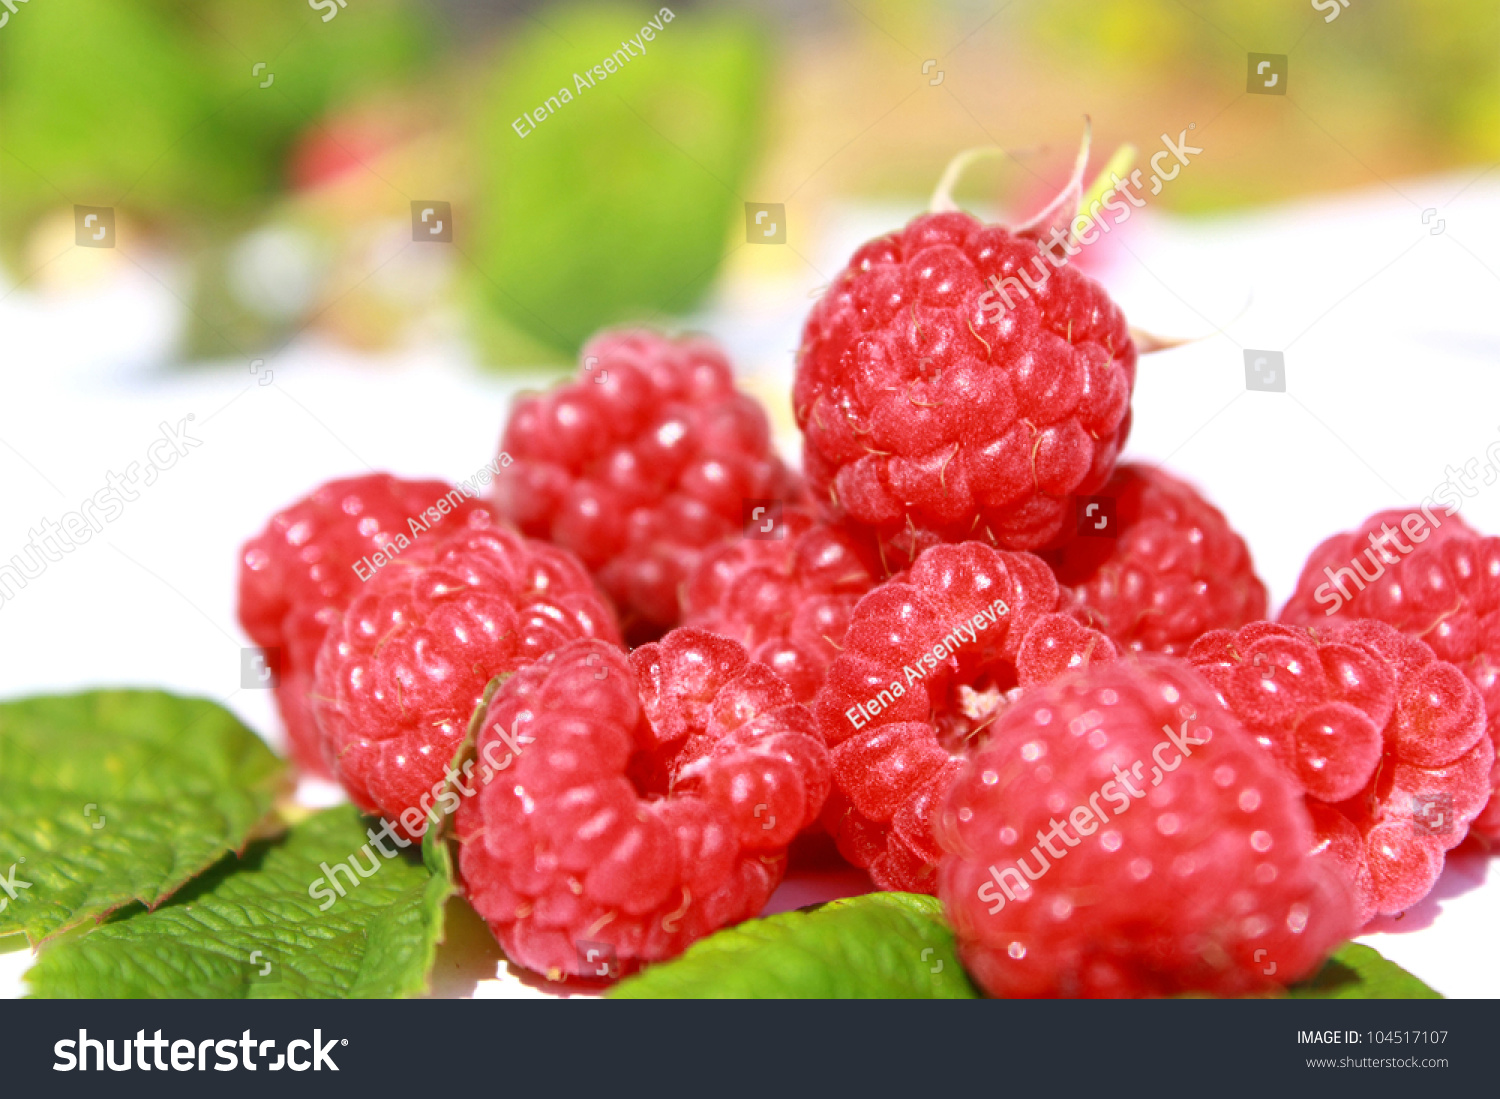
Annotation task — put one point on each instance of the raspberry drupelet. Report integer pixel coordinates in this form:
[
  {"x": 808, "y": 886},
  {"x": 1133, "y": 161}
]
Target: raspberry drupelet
[
  {"x": 639, "y": 465},
  {"x": 298, "y": 574},
  {"x": 638, "y": 803},
  {"x": 786, "y": 599},
  {"x": 1171, "y": 570},
  {"x": 1434, "y": 578},
  {"x": 1121, "y": 835},
  {"x": 929, "y": 661},
  {"x": 1387, "y": 742},
  {"x": 403, "y": 670}
]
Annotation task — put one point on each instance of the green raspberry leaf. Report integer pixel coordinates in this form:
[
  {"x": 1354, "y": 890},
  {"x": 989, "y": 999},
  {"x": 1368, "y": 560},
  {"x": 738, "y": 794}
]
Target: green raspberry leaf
[
  {"x": 886, "y": 945},
  {"x": 112, "y": 797},
  {"x": 267, "y": 925},
  {"x": 1358, "y": 972},
  {"x": 615, "y": 204},
  {"x": 879, "y": 946}
]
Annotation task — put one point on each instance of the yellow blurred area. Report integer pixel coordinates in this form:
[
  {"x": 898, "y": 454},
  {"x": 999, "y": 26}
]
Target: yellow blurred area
[{"x": 1384, "y": 90}]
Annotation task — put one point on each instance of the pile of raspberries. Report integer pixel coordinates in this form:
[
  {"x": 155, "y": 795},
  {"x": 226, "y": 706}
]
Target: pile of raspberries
[{"x": 961, "y": 646}]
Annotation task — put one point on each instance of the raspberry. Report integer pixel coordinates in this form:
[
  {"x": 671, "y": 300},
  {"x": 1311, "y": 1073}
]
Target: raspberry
[
  {"x": 1388, "y": 740},
  {"x": 787, "y": 599},
  {"x": 639, "y": 465},
  {"x": 402, "y": 672},
  {"x": 298, "y": 575},
  {"x": 1443, "y": 588},
  {"x": 927, "y": 416},
  {"x": 1210, "y": 888},
  {"x": 655, "y": 807},
  {"x": 928, "y": 662},
  {"x": 1172, "y": 570}
]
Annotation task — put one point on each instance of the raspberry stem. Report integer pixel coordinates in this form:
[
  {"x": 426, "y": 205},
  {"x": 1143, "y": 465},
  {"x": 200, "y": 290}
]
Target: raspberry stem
[{"x": 439, "y": 822}]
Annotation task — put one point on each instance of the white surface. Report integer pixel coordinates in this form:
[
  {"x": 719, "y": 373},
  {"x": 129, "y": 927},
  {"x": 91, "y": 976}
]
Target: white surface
[{"x": 1391, "y": 335}]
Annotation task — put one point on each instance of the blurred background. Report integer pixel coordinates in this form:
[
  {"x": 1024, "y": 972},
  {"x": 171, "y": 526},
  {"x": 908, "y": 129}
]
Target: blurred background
[
  {"x": 261, "y": 157},
  {"x": 329, "y": 236}
]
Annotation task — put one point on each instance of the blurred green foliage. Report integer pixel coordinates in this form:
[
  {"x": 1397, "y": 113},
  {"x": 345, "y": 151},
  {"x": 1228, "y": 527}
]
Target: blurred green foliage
[
  {"x": 152, "y": 105},
  {"x": 618, "y": 203}
]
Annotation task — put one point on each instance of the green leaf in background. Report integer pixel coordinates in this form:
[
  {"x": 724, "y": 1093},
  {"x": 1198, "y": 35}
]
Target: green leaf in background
[
  {"x": 155, "y": 105},
  {"x": 620, "y": 201},
  {"x": 262, "y": 926},
  {"x": 1358, "y": 972},
  {"x": 117, "y": 796},
  {"x": 314, "y": 65},
  {"x": 879, "y": 946},
  {"x": 97, "y": 96}
]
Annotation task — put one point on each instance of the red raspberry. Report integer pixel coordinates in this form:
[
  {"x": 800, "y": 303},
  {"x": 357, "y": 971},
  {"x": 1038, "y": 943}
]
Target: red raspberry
[
  {"x": 402, "y": 672},
  {"x": 928, "y": 662},
  {"x": 1443, "y": 588},
  {"x": 924, "y": 413},
  {"x": 655, "y": 807},
  {"x": 298, "y": 575},
  {"x": 1387, "y": 739},
  {"x": 786, "y": 599},
  {"x": 639, "y": 465},
  {"x": 1210, "y": 888},
  {"x": 1172, "y": 570}
]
